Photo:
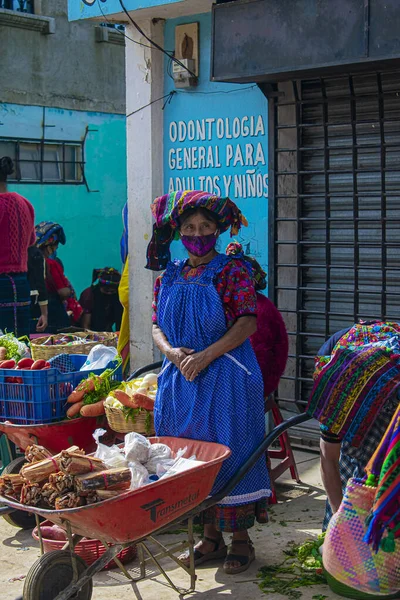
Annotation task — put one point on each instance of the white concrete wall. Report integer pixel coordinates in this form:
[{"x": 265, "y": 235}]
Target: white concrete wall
[{"x": 144, "y": 83}]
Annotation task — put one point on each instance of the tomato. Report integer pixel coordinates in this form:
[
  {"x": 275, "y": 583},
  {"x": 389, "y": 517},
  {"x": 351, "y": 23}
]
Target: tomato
[
  {"x": 8, "y": 364},
  {"x": 38, "y": 365},
  {"x": 25, "y": 363}
]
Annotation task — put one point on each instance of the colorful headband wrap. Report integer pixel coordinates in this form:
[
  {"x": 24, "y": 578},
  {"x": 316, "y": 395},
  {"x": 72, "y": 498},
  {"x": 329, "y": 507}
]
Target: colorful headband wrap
[
  {"x": 167, "y": 211},
  {"x": 106, "y": 276},
  {"x": 258, "y": 274},
  {"x": 49, "y": 233}
]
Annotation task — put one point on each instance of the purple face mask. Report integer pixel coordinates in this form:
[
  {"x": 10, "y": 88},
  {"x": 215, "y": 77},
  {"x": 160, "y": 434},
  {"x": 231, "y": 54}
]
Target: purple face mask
[{"x": 199, "y": 245}]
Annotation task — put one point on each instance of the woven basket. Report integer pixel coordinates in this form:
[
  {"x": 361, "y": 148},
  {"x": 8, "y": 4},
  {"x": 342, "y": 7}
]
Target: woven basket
[
  {"x": 46, "y": 352},
  {"x": 117, "y": 422}
]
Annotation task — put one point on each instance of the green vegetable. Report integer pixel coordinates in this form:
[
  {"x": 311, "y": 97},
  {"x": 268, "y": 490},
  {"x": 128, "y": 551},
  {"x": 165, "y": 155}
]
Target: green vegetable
[
  {"x": 130, "y": 414},
  {"x": 103, "y": 385},
  {"x": 302, "y": 567},
  {"x": 10, "y": 343}
]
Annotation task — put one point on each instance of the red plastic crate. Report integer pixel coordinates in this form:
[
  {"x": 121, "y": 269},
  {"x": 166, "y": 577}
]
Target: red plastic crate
[{"x": 89, "y": 550}]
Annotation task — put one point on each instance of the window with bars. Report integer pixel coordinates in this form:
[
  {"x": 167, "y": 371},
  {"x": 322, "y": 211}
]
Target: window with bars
[
  {"x": 44, "y": 161},
  {"x": 24, "y": 6},
  {"x": 336, "y": 250}
]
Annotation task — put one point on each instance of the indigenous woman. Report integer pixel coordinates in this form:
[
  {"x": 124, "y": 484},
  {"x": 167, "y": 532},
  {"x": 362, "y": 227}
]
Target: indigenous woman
[
  {"x": 102, "y": 310},
  {"x": 17, "y": 233},
  {"x": 49, "y": 236},
  {"x": 211, "y": 386},
  {"x": 354, "y": 397}
]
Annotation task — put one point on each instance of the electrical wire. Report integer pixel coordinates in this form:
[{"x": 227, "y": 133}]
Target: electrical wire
[
  {"x": 172, "y": 93},
  {"x": 175, "y": 60},
  {"x": 169, "y": 96}
]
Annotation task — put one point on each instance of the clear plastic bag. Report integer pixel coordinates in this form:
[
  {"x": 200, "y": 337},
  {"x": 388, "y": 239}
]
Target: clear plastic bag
[
  {"x": 99, "y": 357},
  {"x": 112, "y": 456},
  {"x": 140, "y": 475}
]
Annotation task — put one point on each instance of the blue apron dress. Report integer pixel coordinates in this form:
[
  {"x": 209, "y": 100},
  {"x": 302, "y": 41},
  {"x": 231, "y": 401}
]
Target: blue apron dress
[{"x": 225, "y": 402}]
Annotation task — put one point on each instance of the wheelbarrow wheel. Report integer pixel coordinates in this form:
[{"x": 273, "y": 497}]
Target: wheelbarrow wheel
[
  {"x": 51, "y": 574},
  {"x": 19, "y": 518}
]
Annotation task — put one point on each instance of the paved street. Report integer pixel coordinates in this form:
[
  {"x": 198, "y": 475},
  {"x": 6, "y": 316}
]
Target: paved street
[{"x": 300, "y": 508}]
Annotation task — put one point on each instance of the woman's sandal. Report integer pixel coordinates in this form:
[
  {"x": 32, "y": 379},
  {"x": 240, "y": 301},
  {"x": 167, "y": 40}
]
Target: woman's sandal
[
  {"x": 200, "y": 558},
  {"x": 245, "y": 561}
]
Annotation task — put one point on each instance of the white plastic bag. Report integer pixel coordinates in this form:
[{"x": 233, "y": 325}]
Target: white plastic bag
[
  {"x": 136, "y": 448},
  {"x": 159, "y": 454},
  {"x": 112, "y": 456},
  {"x": 180, "y": 465},
  {"x": 139, "y": 475},
  {"x": 99, "y": 357}
]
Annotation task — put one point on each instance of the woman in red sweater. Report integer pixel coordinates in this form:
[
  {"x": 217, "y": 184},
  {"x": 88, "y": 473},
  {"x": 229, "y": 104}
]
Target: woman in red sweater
[
  {"x": 270, "y": 341},
  {"x": 17, "y": 233}
]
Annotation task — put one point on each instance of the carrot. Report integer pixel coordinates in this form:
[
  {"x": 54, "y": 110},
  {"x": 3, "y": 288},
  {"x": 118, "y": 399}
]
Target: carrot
[
  {"x": 125, "y": 399},
  {"x": 94, "y": 410},
  {"x": 73, "y": 410},
  {"x": 85, "y": 387},
  {"x": 143, "y": 401}
]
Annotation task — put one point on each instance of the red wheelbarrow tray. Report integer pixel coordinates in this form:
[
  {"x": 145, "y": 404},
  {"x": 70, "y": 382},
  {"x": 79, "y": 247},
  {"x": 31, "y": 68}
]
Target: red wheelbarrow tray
[
  {"x": 56, "y": 436},
  {"x": 135, "y": 514}
]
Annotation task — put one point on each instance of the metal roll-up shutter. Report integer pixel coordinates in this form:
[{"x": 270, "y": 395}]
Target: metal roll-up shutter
[{"x": 336, "y": 213}]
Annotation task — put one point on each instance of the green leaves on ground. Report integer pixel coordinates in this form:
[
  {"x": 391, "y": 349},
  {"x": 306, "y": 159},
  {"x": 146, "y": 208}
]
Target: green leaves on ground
[{"x": 302, "y": 567}]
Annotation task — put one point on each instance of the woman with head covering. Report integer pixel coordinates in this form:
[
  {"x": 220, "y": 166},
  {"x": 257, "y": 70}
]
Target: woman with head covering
[
  {"x": 48, "y": 237},
  {"x": 356, "y": 380},
  {"x": 17, "y": 233},
  {"x": 102, "y": 310},
  {"x": 210, "y": 387},
  {"x": 270, "y": 341}
]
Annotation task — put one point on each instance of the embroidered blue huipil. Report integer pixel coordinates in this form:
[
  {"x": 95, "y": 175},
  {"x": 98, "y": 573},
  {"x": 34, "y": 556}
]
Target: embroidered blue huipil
[{"x": 225, "y": 402}]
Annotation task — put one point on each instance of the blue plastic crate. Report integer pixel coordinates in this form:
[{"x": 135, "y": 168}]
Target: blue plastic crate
[{"x": 42, "y": 395}]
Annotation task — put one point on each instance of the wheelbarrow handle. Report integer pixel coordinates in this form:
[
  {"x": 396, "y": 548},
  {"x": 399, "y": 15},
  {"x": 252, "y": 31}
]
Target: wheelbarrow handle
[
  {"x": 255, "y": 456},
  {"x": 146, "y": 369}
]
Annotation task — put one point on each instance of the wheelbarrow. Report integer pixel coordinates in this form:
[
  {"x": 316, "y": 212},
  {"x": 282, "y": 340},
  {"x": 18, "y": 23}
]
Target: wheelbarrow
[
  {"x": 53, "y": 436},
  {"x": 155, "y": 509},
  {"x": 152, "y": 510}
]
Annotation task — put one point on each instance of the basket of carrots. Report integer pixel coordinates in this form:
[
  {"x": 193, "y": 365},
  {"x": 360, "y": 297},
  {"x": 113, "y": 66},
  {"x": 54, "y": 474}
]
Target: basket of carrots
[
  {"x": 130, "y": 406},
  {"x": 88, "y": 398}
]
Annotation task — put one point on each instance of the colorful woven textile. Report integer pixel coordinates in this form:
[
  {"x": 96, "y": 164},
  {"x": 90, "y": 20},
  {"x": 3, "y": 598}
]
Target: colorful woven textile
[
  {"x": 384, "y": 470},
  {"x": 349, "y": 391},
  {"x": 48, "y": 233},
  {"x": 167, "y": 211},
  {"x": 348, "y": 560},
  {"x": 361, "y": 334}
]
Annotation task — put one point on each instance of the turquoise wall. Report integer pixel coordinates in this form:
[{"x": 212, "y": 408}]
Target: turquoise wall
[
  {"x": 91, "y": 220},
  {"x": 86, "y": 9},
  {"x": 216, "y": 139}
]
